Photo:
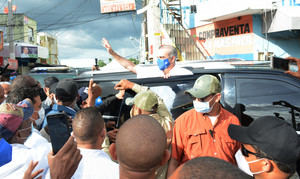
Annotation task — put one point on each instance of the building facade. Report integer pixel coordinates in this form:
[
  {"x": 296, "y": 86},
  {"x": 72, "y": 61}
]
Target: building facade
[
  {"x": 248, "y": 29},
  {"x": 25, "y": 28},
  {"x": 27, "y": 50},
  {"x": 50, "y": 42}
]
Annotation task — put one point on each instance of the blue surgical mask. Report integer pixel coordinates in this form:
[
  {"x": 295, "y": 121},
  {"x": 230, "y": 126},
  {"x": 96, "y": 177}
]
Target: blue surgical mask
[
  {"x": 163, "y": 63},
  {"x": 203, "y": 107}
]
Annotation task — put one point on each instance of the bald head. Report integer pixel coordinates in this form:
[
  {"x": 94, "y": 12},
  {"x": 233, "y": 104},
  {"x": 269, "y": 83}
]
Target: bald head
[
  {"x": 141, "y": 143},
  {"x": 87, "y": 125},
  {"x": 208, "y": 167}
]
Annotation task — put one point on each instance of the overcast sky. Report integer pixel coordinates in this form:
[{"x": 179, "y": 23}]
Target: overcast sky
[{"x": 79, "y": 27}]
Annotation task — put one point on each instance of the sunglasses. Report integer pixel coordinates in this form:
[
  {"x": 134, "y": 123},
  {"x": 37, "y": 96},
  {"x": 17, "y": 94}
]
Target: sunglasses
[{"x": 246, "y": 152}]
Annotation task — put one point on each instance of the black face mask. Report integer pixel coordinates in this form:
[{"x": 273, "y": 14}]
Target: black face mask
[{"x": 43, "y": 95}]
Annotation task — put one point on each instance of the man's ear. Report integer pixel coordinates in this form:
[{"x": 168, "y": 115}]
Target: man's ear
[
  {"x": 113, "y": 151},
  {"x": 165, "y": 157},
  {"x": 218, "y": 97},
  {"x": 103, "y": 132},
  {"x": 172, "y": 60},
  {"x": 83, "y": 103},
  {"x": 267, "y": 165}
]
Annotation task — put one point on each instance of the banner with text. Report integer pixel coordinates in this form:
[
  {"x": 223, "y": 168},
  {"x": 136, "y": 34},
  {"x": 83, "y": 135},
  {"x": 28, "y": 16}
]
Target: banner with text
[{"x": 226, "y": 38}]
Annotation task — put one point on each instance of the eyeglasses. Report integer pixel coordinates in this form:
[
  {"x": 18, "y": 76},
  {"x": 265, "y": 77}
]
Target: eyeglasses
[{"x": 246, "y": 152}]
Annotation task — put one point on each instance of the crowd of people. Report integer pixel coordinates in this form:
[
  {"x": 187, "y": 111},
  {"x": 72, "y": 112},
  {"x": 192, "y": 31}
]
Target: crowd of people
[{"x": 206, "y": 141}]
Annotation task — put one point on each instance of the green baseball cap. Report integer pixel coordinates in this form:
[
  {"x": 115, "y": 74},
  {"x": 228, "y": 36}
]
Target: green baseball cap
[
  {"x": 204, "y": 86},
  {"x": 144, "y": 100}
]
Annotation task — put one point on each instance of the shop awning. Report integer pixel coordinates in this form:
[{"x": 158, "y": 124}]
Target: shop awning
[{"x": 286, "y": 18}]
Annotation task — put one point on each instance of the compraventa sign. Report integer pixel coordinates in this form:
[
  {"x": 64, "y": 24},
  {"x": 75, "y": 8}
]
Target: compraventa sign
[{"x": 227, "y": 28}]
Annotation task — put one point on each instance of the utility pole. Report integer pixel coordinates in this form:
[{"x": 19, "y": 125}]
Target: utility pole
[
  {"x": 145, "y": 33},
  {"x": 10, "y": 31}
]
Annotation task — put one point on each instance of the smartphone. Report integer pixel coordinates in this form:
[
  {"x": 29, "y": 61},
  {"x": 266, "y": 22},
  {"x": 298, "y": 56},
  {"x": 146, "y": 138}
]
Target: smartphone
[
  {"x": 280, "y": 63},
  {"x": 59, "y": 130}
]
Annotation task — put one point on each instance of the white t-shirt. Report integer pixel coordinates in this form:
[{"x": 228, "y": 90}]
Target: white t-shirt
[
  {"x": 36, "y": 148},
  {"x": 154, "y": 71},
  {"x": 96, "y": 164},
  {"x": 213, "y": 119}
]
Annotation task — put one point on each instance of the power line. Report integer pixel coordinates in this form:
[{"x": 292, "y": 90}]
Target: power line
[
  {"x": 3, "y": 4},
  {"x": 71, "y": 25}
]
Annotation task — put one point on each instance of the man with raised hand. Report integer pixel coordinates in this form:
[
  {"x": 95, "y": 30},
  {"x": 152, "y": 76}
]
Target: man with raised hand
[{"x": 167, "y": 56}]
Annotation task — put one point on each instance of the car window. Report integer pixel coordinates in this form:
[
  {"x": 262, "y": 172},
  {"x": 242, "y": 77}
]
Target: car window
[{"x": 260, "y": 97}]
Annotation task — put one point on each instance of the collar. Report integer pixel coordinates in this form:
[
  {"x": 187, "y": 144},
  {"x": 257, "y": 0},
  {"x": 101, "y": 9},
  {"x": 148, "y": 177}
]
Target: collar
[{"x": 66, "y": 109}]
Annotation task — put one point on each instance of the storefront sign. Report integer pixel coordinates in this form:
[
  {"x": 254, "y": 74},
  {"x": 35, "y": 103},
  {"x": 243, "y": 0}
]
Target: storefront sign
[{"x": 227, "y": 37}]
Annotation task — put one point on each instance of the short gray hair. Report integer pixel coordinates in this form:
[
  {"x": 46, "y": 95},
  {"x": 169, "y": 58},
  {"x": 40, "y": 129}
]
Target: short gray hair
[{"x": 173, "y": 50}]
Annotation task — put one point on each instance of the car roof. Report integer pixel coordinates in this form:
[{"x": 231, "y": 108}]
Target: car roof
[{"x": 114, "y": 76}]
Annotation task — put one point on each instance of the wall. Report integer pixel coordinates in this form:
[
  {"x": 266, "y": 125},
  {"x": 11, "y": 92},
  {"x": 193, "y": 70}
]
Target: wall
[
  {"x": 49, "y": 42},
  {"x": 282, "y": 44},
  {"x": 21, "y": 29}
]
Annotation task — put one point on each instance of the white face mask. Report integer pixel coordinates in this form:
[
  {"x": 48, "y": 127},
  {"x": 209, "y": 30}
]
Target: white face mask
[
  {"x": 203, "y": 107},
  {"x": 54, "y": 100},
  {"x": 40, "y": 120},
  {"x": 47, "y": 101},
  {"x": 253, "y": 161}
]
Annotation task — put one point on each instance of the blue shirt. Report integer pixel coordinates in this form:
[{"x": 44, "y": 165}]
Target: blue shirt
[
  {"x": 58, "y": 109},
  {"x": 5, "y": 152}
]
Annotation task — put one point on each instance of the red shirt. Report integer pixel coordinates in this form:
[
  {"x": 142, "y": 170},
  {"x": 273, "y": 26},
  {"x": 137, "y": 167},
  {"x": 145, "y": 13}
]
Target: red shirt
[{"x": 195, "y": 136}]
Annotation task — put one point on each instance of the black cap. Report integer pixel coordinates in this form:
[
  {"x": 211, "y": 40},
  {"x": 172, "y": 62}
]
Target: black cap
[
  {"x": 273, "y": 136},
  {"x": 50, "y": 81},
  {"x": 66, "y": 90}
]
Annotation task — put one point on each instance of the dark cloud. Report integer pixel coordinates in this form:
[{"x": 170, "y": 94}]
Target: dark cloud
[{"x": 79, "y": 24}]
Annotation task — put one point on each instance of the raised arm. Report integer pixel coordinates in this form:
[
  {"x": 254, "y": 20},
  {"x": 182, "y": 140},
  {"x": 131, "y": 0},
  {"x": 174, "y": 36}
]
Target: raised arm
[{"x": 129, "y": 65}]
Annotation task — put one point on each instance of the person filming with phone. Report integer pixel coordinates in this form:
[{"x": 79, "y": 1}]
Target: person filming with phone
[{"x": 65, "y": 95}]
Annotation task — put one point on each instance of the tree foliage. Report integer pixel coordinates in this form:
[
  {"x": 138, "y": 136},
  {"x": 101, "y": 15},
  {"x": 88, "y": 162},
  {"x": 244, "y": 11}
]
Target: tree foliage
[
  {"x": 135, "y": 61},
  {"x": 101, "y": 63}
]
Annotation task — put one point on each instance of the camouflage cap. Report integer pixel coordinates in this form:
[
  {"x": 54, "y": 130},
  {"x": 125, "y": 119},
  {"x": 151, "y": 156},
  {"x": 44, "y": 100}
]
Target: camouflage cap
[
  {"x": 204, "y": 86},
  {"x": 144, "y": 100}
]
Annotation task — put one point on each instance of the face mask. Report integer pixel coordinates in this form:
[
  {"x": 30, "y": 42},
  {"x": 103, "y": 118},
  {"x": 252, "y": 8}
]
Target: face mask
[
  {"x": 203, "y": 107},
  {"x": 40, "y": 120},
  {"x": 54, "y": 100},
  {"x": 163, "y": 64},
  {"x": 242, "y": 163},
  {"x": 253, "y": 161},
  {"x": 47, "y": 102}
]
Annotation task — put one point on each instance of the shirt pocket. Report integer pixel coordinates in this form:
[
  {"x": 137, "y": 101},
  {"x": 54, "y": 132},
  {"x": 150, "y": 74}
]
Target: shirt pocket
[
  {"x": 228, "y": 145},
  {"x": 194, "y": 142}
]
